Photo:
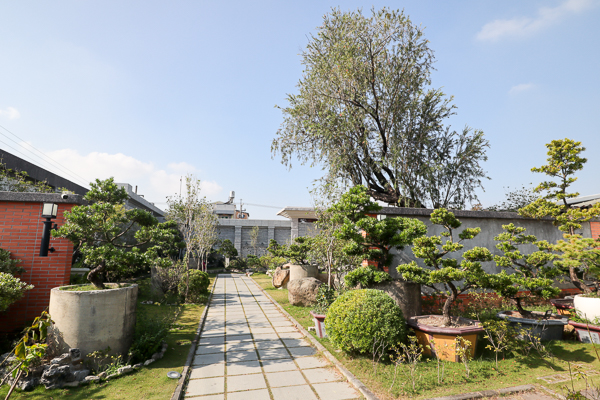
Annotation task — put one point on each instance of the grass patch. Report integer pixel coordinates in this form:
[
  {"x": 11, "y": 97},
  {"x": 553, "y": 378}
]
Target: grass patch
[
  {"x": 149, "y": 382},
  {"x": 513, "y": 369}
]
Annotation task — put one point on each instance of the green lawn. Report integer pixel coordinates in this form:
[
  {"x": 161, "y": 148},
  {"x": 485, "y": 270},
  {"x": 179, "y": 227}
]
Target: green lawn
[
  {"x": 149, "y": 382},
  {"x": 514, "y": 370}
]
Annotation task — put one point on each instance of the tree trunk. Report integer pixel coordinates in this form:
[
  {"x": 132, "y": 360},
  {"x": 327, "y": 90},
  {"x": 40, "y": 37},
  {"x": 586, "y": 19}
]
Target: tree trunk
[
  {"x": 446, "y": 310},
  {"x": 524, "y": 313},
  {"x": 95, "y": 276},
  {"x": 577, "y": 282}
]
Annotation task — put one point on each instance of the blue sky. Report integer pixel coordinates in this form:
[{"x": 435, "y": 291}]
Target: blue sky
[{"x": 147, "y": 91}]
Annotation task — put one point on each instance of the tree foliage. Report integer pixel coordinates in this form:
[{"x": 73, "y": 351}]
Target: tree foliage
[
  {"x": 515, "y": 200},
  {"x": 368, "y": 237},
  {"x": 529, "y": 273},
  {"x": 19, "y": 181},
  {"x": 98, "y": 231},
  {"x": 365, "y": 113},
  {"x": 577, "y": 254},
  {"x": 444, "y": 274}
]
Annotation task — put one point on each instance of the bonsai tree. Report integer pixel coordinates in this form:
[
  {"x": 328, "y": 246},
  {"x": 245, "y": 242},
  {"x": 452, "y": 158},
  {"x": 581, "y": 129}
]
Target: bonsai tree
[
  {"x": 298, "y": 252},
  {"x": 577, "y": 255},
  {"x": 444, "y": 274},
  {"x": 371, "y": 238},
  {"x": 529, "y": 273},
  {"x": 98, "y": 230}
]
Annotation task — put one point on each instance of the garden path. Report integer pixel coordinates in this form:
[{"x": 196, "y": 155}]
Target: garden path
[{"x": 249, "y": 350}]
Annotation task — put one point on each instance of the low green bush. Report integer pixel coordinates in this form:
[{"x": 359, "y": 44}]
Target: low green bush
[
  {"x": 198, "y": 289},
  {"x": 150, "y": 331},
  {"x": 360, "y": 320},
  {"x": 365, "y": 276}
]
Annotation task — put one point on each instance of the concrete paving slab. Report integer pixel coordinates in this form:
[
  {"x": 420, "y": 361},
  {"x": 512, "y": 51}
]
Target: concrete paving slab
[
  {"x": 321, "y": 375},
  {"x": 279, "y": 365},
  {"x": 199, "y": 387},
  {"x": 206, "y": 341},
  {"x": 281, "y": 323},
  {"x": 205, "y": 359},
  {"x": 238, "y": 338},
  {"x": 243, "y": 368},
  {"x": 246, "y": 382},
  {"x": 209, "y": 397},
  {"x": 303, "y": 392},
  {"x": 238, "y": 356},
  {"x": 240, "y": 346},
  {"x": 262, "y": 394},
  {"x": 240, "y": 329},
  {"x": 207, "y": 371},
  {"x": 210, "y": 349},
  {"x": 272, "y": 354},
  {"x": 295, "y": 342},
  {"x": 281, "y": 329},
  {"x": 269, "y": 344},
  {"x": 286, "y": 378},
  {"x": 266, "y": 336},
  {"x": 291, "y": 335},
  {"x": 302, "y": 351},
  {"x": 336, "y": 391},
  {"x": 263, "y": 330},
  {"x": 311, "y": 362}
]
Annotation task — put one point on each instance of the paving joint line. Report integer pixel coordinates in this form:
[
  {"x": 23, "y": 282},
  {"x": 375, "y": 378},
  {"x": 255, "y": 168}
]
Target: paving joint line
[{"x": 349, "y": 375}]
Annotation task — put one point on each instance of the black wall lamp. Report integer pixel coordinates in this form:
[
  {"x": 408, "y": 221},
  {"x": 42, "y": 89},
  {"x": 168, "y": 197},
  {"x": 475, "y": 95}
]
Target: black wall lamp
[{"x": 49, "y": 211}]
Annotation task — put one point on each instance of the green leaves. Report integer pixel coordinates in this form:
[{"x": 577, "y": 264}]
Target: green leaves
[
  {"x": 368, "y": 236},
  {"x": 366, "y": 112}
]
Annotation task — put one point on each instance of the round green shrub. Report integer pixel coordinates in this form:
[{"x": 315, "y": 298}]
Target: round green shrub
[
  {"x": 360, "y": 318},
  {"x": 198, "y": 286}
]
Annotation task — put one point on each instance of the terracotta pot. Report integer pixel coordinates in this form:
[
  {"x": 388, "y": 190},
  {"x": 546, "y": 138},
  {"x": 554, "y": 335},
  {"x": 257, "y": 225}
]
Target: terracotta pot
[
  {"x": 586, "y": 333},
  {"x": 319, "y": 324},
  {"x": 442, "y": 340},
  {"x": 545, "y": 329}
]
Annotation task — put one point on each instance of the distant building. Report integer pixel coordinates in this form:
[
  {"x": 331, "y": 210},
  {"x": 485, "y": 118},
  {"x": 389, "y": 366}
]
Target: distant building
[
  {"x": 138, "y": 201},
  {"x": 39, "y": 174},
  {"x": 228, "y": 210}
]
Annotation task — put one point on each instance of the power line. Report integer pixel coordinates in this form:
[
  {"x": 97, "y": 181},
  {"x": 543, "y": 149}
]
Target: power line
[
  {"x": 262, "y": 205},
  {"x": 58, "y": 165}
]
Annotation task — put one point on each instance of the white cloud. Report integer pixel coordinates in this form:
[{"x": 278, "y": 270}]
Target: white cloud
[
  {"x": 153, "y": 182},
  {"x": 523, "y": 26},
  {"x": 520, "y": 88},
  {"x": 10, "y": 113}
]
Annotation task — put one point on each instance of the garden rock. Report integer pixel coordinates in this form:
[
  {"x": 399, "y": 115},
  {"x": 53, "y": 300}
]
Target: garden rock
[
  {"x": 63, "y": 359},
  {"x": 55, "y": 376},
  {"x": 75, "y": 355},
  {"x": 303, "y": 292},
  {"x": 28, "y": 384},
  {"x": 81, "y": 375},
  {"x": 281, "y": 277},
  {"x": 125, "y": 370},
  {"x": 91, "y": 378}
]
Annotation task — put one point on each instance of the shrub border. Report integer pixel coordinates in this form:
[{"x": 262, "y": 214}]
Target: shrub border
[{"x": 188, "y": 362}]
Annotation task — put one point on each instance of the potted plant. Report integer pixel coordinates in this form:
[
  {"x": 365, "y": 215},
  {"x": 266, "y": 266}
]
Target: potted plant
[
  {"x": 526, "y": 276},
  {"x": 441, "y": 274},
  {"x": 112, "y": 241},
  {"x": 579, "y": 257}
]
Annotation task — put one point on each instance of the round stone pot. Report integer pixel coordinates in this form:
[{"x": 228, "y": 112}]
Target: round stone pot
[
  {"x": 303, "y": 271},
  {"x": 93, "y": 320},
  {"x": 545, "y": 329},
  {"x": 587, "y": 308}
]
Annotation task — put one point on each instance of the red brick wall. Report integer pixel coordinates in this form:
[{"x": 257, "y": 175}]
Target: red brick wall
[
  {"x": 21, "y": 227},
  {"x": 595, "y": 226}
]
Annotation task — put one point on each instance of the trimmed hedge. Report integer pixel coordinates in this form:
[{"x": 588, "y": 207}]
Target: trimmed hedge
[{"x": 359, "y": 318}]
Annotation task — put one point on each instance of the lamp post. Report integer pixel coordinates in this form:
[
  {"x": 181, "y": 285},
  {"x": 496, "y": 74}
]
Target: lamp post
[{"x": 49, "y": 211}]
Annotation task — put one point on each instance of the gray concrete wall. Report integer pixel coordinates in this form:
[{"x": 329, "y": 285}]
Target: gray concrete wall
[{"x": 238, "y": 231}]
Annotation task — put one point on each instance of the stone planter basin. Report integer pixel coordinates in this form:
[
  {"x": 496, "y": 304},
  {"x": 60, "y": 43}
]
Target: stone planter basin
[
  {"x": 587, "y": 307},
  {"x": 442, "y": 340},
  {"x": 545, "y": 329},
  {"x": 95, "y": 319}
]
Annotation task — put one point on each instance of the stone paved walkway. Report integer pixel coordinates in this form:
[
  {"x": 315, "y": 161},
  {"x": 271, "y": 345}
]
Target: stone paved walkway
[{"x": 249, "y": 350}]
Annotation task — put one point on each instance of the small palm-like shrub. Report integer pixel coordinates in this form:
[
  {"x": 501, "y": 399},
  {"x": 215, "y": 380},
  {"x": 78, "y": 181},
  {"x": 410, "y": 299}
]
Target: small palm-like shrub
[
  {"x": 198, "y": 289},
  {"x": 360, "y": 320}
]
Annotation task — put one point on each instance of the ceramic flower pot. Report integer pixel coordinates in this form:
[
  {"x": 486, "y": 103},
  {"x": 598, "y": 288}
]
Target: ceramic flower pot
[
  {"x": 587, "y": 307},
  {"x": 441, "y": 341}
]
